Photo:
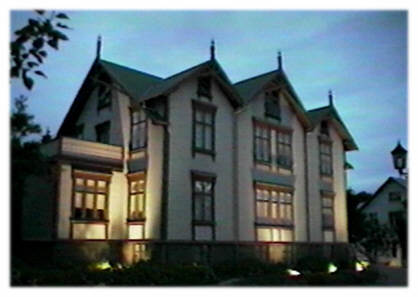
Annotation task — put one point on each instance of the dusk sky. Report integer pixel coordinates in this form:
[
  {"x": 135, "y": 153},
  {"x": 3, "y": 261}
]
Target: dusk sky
[{"x": 360, "y": 55}]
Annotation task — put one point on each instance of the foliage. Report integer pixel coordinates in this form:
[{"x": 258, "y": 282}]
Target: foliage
[
  {"x": 310, "y": 264},
  {"x": 378, "y": 238},
  {"x": 28, "y": 51},
  {"x": 22, "y": 123},
  {"x": 355, "y": 216}
]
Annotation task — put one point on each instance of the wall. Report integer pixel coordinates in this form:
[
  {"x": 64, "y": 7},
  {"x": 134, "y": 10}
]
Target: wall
[
  {"x": 182, "y": 162},
  {"x": 336, "y": 185},
  {"x": 90, "y": 117},
  {"x": 247, "y": 170},
  {"x": 381, "y": 205}
]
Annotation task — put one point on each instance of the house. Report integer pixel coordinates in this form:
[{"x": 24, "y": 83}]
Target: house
[
  {"x": 194, "y": 157},
  {"x": 388, "y": 207}
]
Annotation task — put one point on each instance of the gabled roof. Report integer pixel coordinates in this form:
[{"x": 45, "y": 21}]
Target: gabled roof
[
  {"x": 250, "y": 87},
  {"x": 133, "y": 81},
  {"x": 399, "y": 181},
  {"x": 330, "y": 113},
  {"x": 167, "y": 85}
]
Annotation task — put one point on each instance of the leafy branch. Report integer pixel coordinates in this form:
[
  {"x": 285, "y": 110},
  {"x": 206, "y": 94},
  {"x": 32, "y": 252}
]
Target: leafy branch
[{"x": 28, "y": 49}]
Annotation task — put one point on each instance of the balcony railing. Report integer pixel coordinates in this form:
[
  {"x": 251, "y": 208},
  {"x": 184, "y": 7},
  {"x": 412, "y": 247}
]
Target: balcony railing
[{"x": 76, "y": 149}]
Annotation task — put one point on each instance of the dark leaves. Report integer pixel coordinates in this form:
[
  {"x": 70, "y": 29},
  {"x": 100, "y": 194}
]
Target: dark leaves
[
  {"x": 27, "y": 81},
  {"x": 62, "y": 16},
  {"x": 27, "y": 51},
  {"x": 40, "y": 73},
  {"x": 38, "y": 43},
  {"x": 53, "y": 43}
]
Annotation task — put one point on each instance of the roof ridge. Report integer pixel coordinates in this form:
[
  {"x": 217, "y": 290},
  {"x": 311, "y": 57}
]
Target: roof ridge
[
  {"x": 318, "y": 108},
  {"x": 253, "y": 77},
  {"x": 130, "y": 68},
  {"x": 185, "y": 70}
]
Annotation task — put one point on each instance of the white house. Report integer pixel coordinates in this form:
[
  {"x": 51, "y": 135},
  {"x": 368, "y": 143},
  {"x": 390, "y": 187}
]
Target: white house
[{"x": 195, "y": 157}]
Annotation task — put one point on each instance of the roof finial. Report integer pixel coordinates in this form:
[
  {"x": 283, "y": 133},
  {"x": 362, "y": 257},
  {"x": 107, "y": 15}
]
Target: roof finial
[
  {"x": 212, "y": 49},
  {"x": 99, "y": 47},
  {"x": 279, "y": 59},
  {"x": 330, "y": 97}
]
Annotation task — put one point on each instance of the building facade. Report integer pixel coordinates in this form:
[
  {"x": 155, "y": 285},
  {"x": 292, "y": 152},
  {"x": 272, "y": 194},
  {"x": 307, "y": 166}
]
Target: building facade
[{"x": 193, "y": 157}]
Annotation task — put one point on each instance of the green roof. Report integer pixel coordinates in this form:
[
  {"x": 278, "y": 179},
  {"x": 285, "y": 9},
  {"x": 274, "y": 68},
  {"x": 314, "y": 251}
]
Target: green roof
[
  {"x": 329, "y": 112},
  {"x": 133, "y": 81}
]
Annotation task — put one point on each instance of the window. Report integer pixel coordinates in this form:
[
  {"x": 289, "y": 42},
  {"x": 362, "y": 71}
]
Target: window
[
  {"x": 267, "y": 233},
  {"x": 203, "y": 127},
  {"x": 204, "y": 87},
  {"x": 79, "y": 131},
  {"x": 103, "y": 132},
  {"x": 90, "y": 196},
  {"x": 272, "y": 104},
  {"x": 395, "y": 217},
  {"x": 203, "y": 205},
  {"x": 104, "y": 93},
  {"x": 262, "y": 148},
  {"x": 284, "y": 150},
  {"x": 138, "y": 129},
  {"x": 274, "y": 205},
  {"x": 136, "y": 202},
  {"x": 324, "y": 130},
  {"x": 394, "y": 196},
  {"x": 327, "y": 201},
  {"x": 325, "y": 156}
]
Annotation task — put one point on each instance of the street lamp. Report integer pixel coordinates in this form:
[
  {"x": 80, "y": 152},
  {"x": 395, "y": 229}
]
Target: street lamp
[{"x": 399, "y": 158}]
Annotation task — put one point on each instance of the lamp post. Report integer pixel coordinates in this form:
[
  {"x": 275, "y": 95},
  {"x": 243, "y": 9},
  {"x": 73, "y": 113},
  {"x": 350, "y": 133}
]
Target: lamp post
[{"x": 399, "y": 156}]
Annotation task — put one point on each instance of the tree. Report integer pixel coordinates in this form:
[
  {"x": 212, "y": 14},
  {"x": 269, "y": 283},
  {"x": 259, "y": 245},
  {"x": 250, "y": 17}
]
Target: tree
[
  {"x": 355, "y": 216},
  {"x": 27, "y": 50},
  {"x": 25, "y": 157}
]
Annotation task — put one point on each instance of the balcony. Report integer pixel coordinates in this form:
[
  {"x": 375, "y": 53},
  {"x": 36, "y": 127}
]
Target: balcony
[{"x": 82, "y": 152}]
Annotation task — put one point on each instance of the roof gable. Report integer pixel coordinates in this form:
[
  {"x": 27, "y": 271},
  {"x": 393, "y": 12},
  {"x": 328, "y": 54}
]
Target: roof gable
[
  {"x": 399, "y": 181},
  {"x": 330, "y": 113},
  {"x": 249, "y": 88}
]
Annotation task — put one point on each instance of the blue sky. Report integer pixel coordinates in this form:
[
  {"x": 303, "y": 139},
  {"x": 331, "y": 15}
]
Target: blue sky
[{"x": 360, "y": 55}]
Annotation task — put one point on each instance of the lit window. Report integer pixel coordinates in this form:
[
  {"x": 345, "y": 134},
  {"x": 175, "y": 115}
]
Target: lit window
[
  {"x": 274, "y": 205},
  {"x": 138, "y": 129},
  {"x": 90, "y": 194},
  {"x": 136, "y": 202}
]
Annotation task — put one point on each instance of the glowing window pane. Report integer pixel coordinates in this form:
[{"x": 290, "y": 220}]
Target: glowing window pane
[
  {"x": 89, "y": 200},
  {"x": 101, "y": 200},
  {"x": 78, "y": 202}
]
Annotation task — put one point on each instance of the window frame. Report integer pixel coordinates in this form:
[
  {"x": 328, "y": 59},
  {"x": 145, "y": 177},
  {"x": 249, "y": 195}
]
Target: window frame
[
  {"x": 263, "y": 140},
  {"x": 325, "y": 226},
  {"x": 202, "y": 90},
  {"x": 195, "y": 222},
  {"x": 272, "y": 108},
  {"x": 99, "y": 128},
  {"x": 279, "y": 204},
  {"x": 288, "y": 145},
  {"x": 96, "y": 177},
  {"x": 141, "y": 121},
  {"x": 136, "y": 177},
  {"x": 327, "y": 155},
  {"x": 104, "y": 96},
  {"x": 395, "y": 196},
  {"x": 205, "y": 108}
]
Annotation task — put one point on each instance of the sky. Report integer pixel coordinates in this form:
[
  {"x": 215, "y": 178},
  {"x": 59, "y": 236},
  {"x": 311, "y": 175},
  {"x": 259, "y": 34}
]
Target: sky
[{"x": 360, "y": 55}]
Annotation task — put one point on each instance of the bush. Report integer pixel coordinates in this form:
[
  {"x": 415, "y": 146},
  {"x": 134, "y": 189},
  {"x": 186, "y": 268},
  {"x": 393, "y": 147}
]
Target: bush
[{"x": 312, "y": 264}]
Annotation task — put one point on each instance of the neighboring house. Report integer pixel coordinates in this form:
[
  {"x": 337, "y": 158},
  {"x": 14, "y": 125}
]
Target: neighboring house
[
  {"x": 195, "y": 157},
  {"x": 388, "y": 206}
]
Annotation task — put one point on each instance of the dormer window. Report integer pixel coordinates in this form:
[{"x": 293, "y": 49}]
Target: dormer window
[
  {"x": 272, "y": 105},
  {"x": 324, "y": 128},
  {"x": 204, "y": 87},
  {"x": 104, "y": 93}
]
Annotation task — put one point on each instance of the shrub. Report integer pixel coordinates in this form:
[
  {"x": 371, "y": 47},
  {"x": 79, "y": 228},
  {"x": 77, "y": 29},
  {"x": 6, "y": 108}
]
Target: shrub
[{"x": 312, "y": 264}]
